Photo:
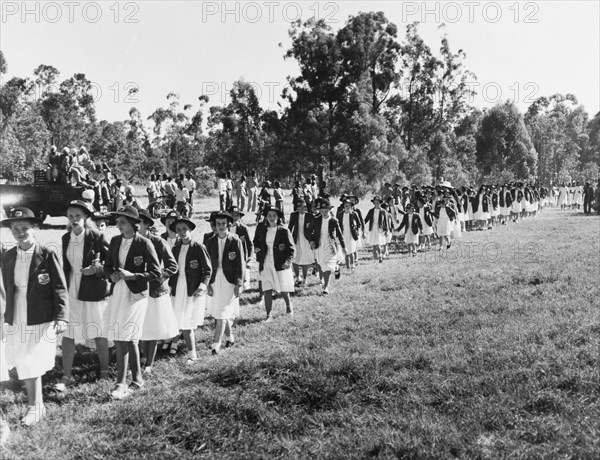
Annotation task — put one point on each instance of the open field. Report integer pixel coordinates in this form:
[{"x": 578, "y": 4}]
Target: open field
[{"x": 488, "y": 350}]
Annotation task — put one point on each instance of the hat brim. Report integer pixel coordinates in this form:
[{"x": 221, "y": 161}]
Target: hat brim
[
  {"x": 83, "y": 208},
  {"x": 279, "y": 213},
  {"x": 116, "y": 214},
  {"x": 5, "y": 223},
  {"x": 239, "y": 213},
  {"x": 188, "y": 222}
]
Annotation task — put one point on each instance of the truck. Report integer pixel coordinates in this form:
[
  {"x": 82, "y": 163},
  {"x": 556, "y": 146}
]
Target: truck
[{"x": 43, "y": 197}]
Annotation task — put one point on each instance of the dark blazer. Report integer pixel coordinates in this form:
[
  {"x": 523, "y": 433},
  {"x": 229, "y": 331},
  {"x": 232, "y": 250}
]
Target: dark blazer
[
  {"x": 207, "y": 236},
  {"x": 416, "y": 226},
  {"x": 383, "y": 222},
  {"x": 450, "y": 210},
  {"x": 308, "y": 224},
  {"x": 233, "y": 259},
  {"x": 93, "y": 288},
  {"x": 165, "y": 235},
  {"x": 360, "y": 218},
  {"x": 47, "y": 298},
  {"x": 426, "y": 214},
  {"x": 333, "y": 230},
  {"x": 141, "y": 260},
  {"x": 198, "y": 268},
  {"x": 242, "y": 232},
  {"x": 354, "y": 224},
  {"x": 501, "y": 199},
  {"x": 160, "y": 286},
  {"x": 284, "y": 248}
]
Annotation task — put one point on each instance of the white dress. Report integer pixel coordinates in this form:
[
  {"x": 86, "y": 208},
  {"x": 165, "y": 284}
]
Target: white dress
[
  {"x": 377, "y": 236},
  {"x": 505, "y": 210},
  {"x": 223, "y": 304},
  {"x": 160, "y": 322},
  {"x": 427, "y": 229},
  {"x": 516, "y": 206},
  {"x": 349, "y": 240},
  {"x": 304, "y": 254},
  {"x": 444, "y": 225},
  {"x": 280, "y": 281},
  {"x": 479, "y": 215},
  {"x": 409, "y": 236},
  {"x": 189, "y": 311},
  {"x": 327, "y": 253},
  {"x": 31, "y": 349},
  {"x": 124, "y": 315},
  {"x": 85, "y": 318}
]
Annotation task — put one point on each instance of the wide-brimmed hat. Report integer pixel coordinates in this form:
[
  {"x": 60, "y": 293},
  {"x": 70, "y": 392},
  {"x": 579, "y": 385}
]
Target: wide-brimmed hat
[
  {"x": 376, "y": 198},
  {"x": 221, "y": 215},
  {"x": 409, "y": 206},
  {"x": 272, "y": 208},
  {"x": 210, "y": 217},
  {"x": 324, "y": 204},
  {"x": 184, "y": 219},
  {"x": 83, "y": 205},
  {"x": 235, "y": 210},
  {"x": 169, "y": 215},
  {"x": 146, "y": 217},
  {"x": 103, "y": 216},
  {"x": 354, "y": 198},
  {"x": 20, "y": 214},
  {"x": 130, "y": 212},
  {"x": 446, "y": 184},
  {"x": 300, "y": 202}
]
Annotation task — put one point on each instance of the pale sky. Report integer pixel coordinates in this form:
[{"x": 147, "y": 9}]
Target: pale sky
[{"x": 518, "y": 50}]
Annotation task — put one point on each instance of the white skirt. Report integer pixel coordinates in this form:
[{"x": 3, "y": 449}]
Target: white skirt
[
  {"x": 516, "y": 207},
  {"x": 504, "y": 211},
  {"x": 160, "y": 322},
  {"x": 444, "y": 225},
  {"x": 304, "y": 254},
  {"x": 349, "y": 241},
  {"x": 411, "y": 238},
  {"x": 85, "y": 318},
  {"x": 189, "y": 311},
  {"x": 427, "y": 230},
  {"x": 326, "y": 256},
  {"x": 376, "y": 237},
  {"x": 223, "y": 304},
  {"x": 124, "y": 315},
  {"x": 495, "y": 212},
  {"x": 469, "y": 211},
  {"x": 30, "y": 349}
]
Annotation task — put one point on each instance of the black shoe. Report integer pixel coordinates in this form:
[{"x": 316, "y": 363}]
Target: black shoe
[
  {"x": 338, "y": 272},
  {"x": 214, "y": 352},
  {"x": 228, "y": 344}
]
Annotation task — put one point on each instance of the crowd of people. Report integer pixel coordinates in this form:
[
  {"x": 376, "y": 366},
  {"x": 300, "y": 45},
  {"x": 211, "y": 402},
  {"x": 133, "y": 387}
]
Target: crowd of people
[{"x": 142, "y": 290}]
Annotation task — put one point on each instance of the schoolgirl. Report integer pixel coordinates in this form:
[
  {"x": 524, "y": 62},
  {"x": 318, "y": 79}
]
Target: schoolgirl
[
  {"x": 480, "y": 208},
  {"x": 189, "y": 287},
  {"x": 169, "y": 235},
  {"x": 413, "y": 225},
  {"x": 131, "y": 263},
  {"x": 494, "y": 209},
  {"x": 102, "y": 220},
  {"x": 241, "y": 230},
  {"x": 563, "y": 196},
  {"x": 424, "y": 210},
  {"x": 84, "y": 251},
  {"x": 227, "y": 257},
  {"x": 394, "y": 219},
  {"x": 505, "y": 203},
  {"x": 517, "y": 197},
  {"x": 36, "y": 307},
  {"x": 378, "y": 228},
  {"x": 526, "y": 202},
  {"x": 160, "y": 322},
  {"x": 470, "y": 221},
  {"x": 361, "y": 235},
  {"x": 278, "y": 198},
  {"x": 300, "y": 225},
  {"x": 445, "y": 213},
  {"x": 326, "y": 240},
  {"x": 350, "y": 228},
  {"x": 275, "y": 250}
]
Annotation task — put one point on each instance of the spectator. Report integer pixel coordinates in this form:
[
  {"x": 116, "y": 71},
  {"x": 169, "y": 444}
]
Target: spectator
[{"x": 190, "y": 184}]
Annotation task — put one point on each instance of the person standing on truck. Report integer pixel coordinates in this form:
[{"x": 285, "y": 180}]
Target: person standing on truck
[
  {"x": 64, "y": 166},
  {"x": 53, "y": 157}
]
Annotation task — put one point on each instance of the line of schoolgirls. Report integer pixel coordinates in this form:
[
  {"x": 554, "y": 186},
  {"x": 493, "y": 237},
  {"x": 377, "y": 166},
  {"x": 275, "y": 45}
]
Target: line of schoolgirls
[
  {"x": 444, "y": 212},
  {"x": 133, "y": 292}
]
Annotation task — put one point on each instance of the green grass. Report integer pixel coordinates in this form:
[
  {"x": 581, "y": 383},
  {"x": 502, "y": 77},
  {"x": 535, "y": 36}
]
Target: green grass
[{"x": 485, "y": 353}]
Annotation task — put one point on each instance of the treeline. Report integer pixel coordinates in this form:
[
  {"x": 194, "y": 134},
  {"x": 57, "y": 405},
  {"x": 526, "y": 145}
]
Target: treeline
[{"x": 366, "y": 107}]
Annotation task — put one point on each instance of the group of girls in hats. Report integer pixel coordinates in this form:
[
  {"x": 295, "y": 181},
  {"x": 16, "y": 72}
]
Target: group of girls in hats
[{"x": 133, "y": 292}]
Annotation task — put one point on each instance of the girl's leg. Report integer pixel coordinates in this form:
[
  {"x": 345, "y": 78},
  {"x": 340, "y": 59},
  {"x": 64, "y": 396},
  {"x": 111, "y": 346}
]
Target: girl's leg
[
  {"x": 326, "y": 276},
  {"x": 268, "y": 302},
  {"x": 149, "y": 353},
  {"x": 304, "y": 273},
  {"x": 102, "y": 350},
  {"x": 229, "y": 338},
  {"x": 136, "y": 368},
  {"x": 348, "y": 261},
  {"x": 218, "y": 338},
  {"x": 288, "y": 303},
  {"x": 122, "y": 349},
  {"x": 35, "y": 402},
  {"x": 296, "y": 272},
  {"x": 190, "y": 343},
  {"x": 68, "y": 355}
]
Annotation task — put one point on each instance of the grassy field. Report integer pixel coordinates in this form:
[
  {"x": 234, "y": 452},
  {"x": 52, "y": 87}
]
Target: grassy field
[{"x": 489, "y": 350}]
